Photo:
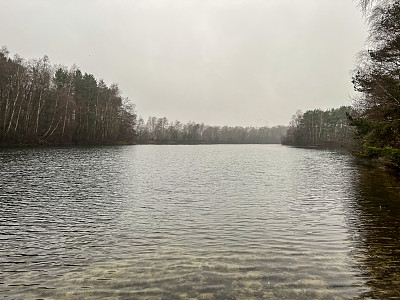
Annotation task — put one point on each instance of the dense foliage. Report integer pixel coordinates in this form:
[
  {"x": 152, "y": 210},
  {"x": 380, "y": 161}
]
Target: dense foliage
[
  {"x": 44, "y": 104},
  {"x": 328, "y": 128},
  {"x": 161, "y": 131},
  {"x": 377, "y": 77}
]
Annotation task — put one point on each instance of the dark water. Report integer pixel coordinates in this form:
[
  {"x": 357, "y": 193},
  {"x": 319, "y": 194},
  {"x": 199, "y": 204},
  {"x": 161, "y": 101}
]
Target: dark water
[{"x": 197, "y": 222}]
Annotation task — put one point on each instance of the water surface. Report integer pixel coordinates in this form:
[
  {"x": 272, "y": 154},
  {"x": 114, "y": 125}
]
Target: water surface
[{"x": 203, "y": 222}]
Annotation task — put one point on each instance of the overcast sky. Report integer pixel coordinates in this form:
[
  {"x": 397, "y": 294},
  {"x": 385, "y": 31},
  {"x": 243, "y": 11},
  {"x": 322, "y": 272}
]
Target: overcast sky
[{"x": 221, "y": 62}]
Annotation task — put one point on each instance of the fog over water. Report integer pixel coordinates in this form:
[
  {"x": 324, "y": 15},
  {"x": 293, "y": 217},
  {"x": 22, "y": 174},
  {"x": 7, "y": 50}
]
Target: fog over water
[{"x": 218, "y": 62}]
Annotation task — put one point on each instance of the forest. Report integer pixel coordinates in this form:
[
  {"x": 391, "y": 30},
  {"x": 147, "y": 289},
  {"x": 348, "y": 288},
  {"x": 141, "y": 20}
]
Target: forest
[
  {"x": 371, "y": 127},
  {"x": 45, "y": 104},
  {"x": 330, "y": 128},
  {"x": 377, "y": 79},
  {"x": 162, "y": 131}
]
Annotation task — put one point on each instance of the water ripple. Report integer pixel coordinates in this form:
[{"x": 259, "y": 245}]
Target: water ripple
[{"x": 196, "y": 222}]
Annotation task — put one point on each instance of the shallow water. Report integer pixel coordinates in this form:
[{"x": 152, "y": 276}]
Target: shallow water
[{"x": 203, "y": 222}]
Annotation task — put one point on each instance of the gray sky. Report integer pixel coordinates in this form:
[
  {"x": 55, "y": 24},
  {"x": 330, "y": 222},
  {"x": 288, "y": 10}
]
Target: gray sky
[{"x": 221, "y": 62}]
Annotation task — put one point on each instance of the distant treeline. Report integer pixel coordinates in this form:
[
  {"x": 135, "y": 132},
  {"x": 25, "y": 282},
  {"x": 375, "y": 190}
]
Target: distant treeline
[
  {"x": 42, "y": 103},
  {"x": 45, "y": 104},
  {"x": 162, "y": 131},
  {"x": 330, "y": 128}
]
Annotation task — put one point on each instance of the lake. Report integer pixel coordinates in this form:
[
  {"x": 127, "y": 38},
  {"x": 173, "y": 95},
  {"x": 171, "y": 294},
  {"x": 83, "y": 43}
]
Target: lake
[{"x": 197, "y": 222}]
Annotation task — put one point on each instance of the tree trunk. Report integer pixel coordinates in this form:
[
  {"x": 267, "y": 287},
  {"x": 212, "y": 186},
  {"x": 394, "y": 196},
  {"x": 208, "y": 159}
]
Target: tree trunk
[
  {"x": 38, "y": 112},
  {"x": 14, "y": 103}
]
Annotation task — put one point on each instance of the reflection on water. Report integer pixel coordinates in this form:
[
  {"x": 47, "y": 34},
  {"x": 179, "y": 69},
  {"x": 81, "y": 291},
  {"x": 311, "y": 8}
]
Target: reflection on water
[
  {"x": 196, "y": 222},
  {"x": 374, "y": 219}
]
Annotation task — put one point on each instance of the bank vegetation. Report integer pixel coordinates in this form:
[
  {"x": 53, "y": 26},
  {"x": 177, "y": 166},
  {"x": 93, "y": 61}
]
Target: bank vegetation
[
  {"x": 46, "y": 104},
  {"x": 371, "y": 127}
]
